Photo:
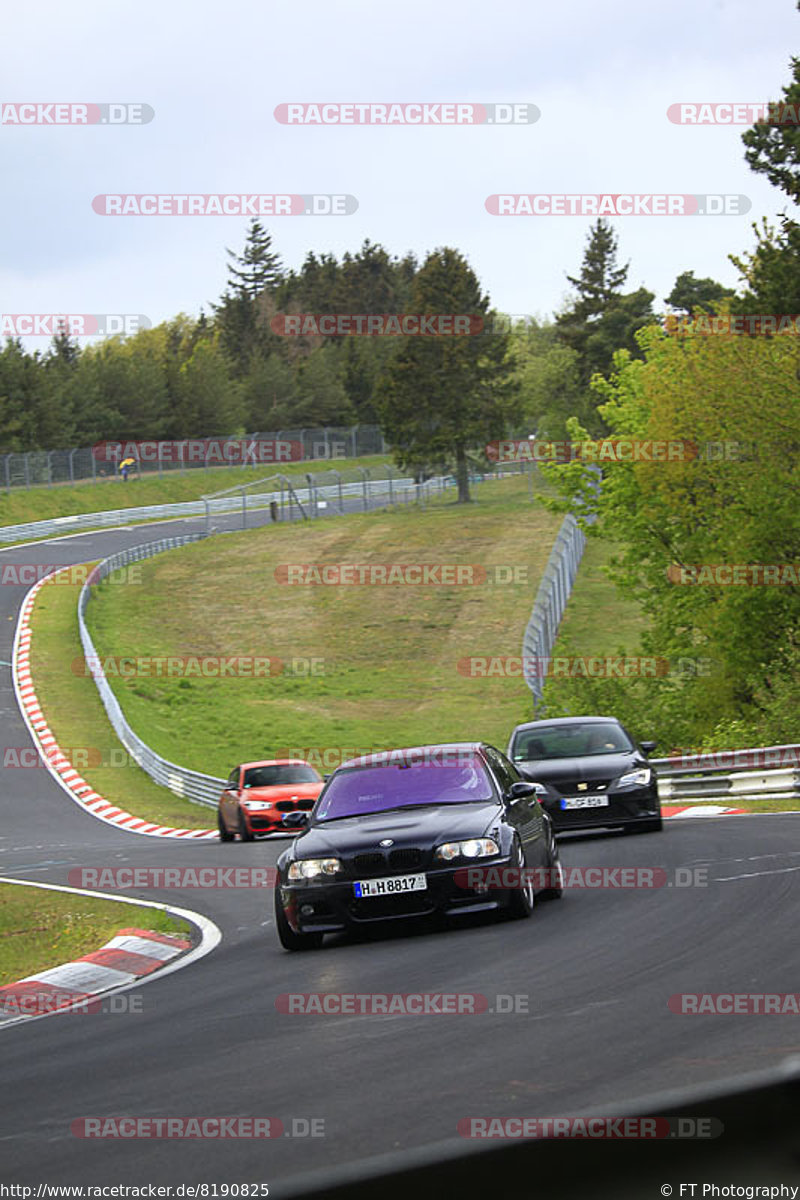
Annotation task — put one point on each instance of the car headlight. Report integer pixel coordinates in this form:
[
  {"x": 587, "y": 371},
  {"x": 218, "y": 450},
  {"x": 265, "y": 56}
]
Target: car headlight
[
  {"x": 313, "y": 868},
  {"x": 638, "y": 778},
  {"x": 471, "y": 848},
  {"x": 254, "y": 805}
]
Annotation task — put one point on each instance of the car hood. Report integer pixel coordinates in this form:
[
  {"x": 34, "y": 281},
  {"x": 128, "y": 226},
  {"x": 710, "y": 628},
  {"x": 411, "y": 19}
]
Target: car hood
[
  {"x": 581, "y": 768},
  {"x": 420, "y": 827},
  {"x": 282, "y": 791}
]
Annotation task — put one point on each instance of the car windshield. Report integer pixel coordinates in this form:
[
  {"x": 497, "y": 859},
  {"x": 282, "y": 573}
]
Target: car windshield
[
  {"x": 569, "y": 741},
  {"x": 358, "y": 791},
  {"x": 279, "y": 773}
]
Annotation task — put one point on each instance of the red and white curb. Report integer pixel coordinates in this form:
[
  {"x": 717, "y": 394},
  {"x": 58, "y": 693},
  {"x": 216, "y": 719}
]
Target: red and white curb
[
  {"x": 679, "y": 811},
  {"x": 134, "y": 957},
  {"x": 53, "y": 757},
  {"x": 129, "y": 955}
]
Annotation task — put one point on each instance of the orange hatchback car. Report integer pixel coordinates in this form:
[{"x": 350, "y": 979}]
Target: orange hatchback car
[{"x": 258, "y": 794}]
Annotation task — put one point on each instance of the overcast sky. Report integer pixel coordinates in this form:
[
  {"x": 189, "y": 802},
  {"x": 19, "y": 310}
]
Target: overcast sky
[{"x": 602, "y": 75}]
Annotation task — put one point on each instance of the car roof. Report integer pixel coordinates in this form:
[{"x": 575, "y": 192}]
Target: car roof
[
  {"x": 274, "y": 762},
  {"x": 381, "y": 757},
  {"x": 568, "y": 721}
]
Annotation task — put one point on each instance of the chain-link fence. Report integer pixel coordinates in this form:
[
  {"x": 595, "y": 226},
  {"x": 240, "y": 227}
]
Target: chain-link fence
[
  {"x": 550, "y": 603},
  {"x": 35, "y": 468}
]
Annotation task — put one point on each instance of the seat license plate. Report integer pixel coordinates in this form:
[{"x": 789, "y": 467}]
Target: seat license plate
[{"x": 584, "y": 802}]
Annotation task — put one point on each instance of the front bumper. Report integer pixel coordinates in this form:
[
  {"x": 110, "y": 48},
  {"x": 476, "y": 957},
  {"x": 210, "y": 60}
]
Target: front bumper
[
  {"x": 331, "y": 907},
  {"x": 623, "y": 808}
]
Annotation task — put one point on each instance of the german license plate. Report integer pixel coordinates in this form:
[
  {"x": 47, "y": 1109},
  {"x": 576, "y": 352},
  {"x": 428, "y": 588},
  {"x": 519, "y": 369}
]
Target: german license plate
[
  {"x": 585, "y": 802},
  {"x": 391, "y": 886}
]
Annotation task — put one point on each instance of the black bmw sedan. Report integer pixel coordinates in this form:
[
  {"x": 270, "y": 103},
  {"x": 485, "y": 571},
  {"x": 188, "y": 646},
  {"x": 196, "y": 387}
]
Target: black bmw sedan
[
  {"x": 591, "y": 773},
  {"x": 414, "y": 833}
]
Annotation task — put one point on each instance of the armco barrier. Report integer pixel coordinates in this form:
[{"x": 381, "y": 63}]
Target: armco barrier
[
  {"x": 191, "y": 785},
  {"x": 402, "y": 488},
  {"x": 730, "y": 775}
]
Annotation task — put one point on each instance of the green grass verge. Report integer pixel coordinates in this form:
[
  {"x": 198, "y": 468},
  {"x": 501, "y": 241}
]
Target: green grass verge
[
  {"x": 75, "y": 714},
  {"x": 65, "y": 500},
  {"x": 40, "y": 929},
  {"x": 390, "y": 654}
]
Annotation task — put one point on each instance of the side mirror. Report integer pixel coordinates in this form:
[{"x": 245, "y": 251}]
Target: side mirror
[
  {"x": 295, "y": 820},
  {"x": 521, "y": 789},
  {"x": 648, "y": 747}
]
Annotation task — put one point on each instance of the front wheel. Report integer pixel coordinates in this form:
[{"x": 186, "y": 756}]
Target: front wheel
[
  {"x": 244, "y": 831},
  {"x": 555, "y": 873},
  {"x": 522, "y": 898},
  {"x": 225, "y": 834},
  {"x": 287, "y": 936}
]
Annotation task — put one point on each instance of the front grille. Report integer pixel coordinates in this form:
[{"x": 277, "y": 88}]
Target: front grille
[
  {"x": 569, "y": 787},
  {"x": 405, "y": 858},
  {"x": 285, "y": 805},
  {"x": 370, "y": 864},
  {"x": 375, "y": 864}
]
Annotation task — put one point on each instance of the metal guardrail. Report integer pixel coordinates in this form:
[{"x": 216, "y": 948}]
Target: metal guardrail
[
  {"x": 730, "y": 774},
  {"x": 403, "y": 488},
  {"x": 191, "y": 785}
]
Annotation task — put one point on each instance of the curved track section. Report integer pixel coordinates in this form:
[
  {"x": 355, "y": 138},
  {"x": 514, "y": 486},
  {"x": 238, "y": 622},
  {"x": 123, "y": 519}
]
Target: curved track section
[{"x": 579, "y": 994}]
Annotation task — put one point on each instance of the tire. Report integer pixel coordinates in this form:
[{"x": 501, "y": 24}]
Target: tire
[
  {"x": 651, "y": 825},
  {"x": 554, "y": 868},
  {"x": 225, "y": 834},
  {"x": 287, "y": 936},
  {"x": 244, "y": 833},
  {"x": 523, "y": 898}
]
